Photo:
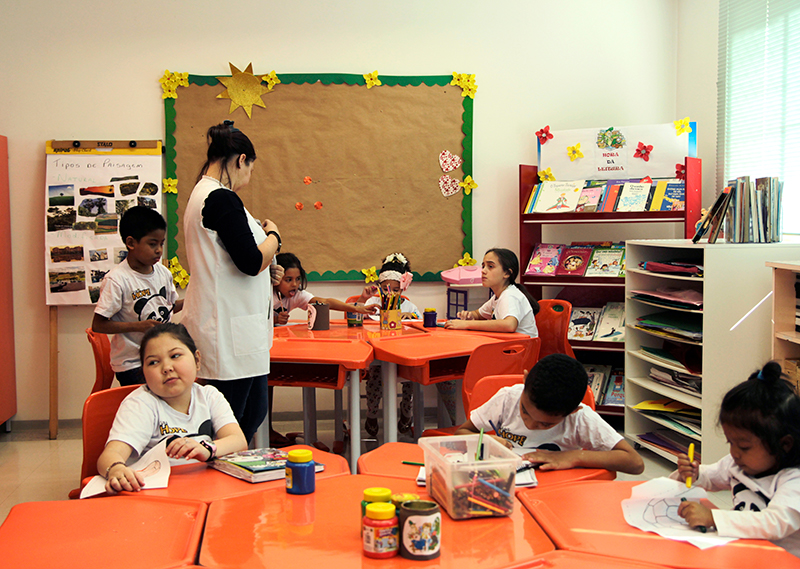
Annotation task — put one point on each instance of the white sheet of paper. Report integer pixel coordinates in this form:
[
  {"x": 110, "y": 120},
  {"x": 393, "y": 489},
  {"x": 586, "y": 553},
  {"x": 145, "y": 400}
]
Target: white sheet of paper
[
  {"x": 653, "y": 506},
  {"x": 154, "y": 463}
]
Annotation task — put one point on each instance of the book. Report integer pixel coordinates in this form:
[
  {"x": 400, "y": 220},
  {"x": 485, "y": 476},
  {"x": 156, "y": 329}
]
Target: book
[
  {"x": 574, "y": 261},
  {"x": 682, "y": 326},
  {"x": 583, "y": 323},
  {"x": 716, "y": 223},
  {"x": 659, "y": 191},
  {"x": 633, "y": 196},
  {"x": 558, "y": 197},
  {"x": 598, "y": 378},
  {"x": 674, "y": 197},
  {"x": 589, "y": 198},
  {"x": 256, "y": 465},
  {"x": 712, "y": 213},
  {"x": 610, "y": 198},
  {"x": 611, "y": 326},
  {"x": 531, "y": 199},
  {"x": 615, "y": 389},
  {"x": 605, "y": 262},
  {"x": 545, "y": 259}
]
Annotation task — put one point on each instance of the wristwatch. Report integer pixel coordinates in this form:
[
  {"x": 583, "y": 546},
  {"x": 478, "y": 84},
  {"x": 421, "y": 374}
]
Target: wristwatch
[
  {"x": 211, "y": 448},
  {"x": 277, "y": 236}
]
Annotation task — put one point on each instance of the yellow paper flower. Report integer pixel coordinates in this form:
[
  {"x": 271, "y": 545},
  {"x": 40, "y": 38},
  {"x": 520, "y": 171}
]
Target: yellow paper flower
[
  {"x": 370, "y": 275},
  {"x": 170, "y": 186},
  {"x": 271, "y": 79},
  {"x": 574, "y": 152},
  {"x": 546, "y": 175},
  {"x": 467, "y": 83},
  {"x": 372, "y": 79},
  {"x": 682, "y": 126},
  {"x": 465, "y": 261},
  {"x": 171, "y": 81},
  {"x": 468, "y": 184},
  {"x": 179, "y": 275}
]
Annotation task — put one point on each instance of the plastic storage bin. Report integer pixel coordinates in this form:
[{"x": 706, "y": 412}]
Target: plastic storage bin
[{"x": 466, "y": 487}]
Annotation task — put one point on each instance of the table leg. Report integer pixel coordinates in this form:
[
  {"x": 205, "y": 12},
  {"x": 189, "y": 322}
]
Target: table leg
[
  {"x": 338, "y": 416},
  {"x": 419, "y": 410},
  {"x": 389, "y": 379},
  {"x": 309, "y": 415},
  {"x": 355, "y": 420}
]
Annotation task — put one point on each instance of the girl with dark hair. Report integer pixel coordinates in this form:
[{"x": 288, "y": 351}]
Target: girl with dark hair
[
  {"x": 511, "y": 309},
  {"x": 228, "y": 307},
  {"x": 761, "y": 421}
]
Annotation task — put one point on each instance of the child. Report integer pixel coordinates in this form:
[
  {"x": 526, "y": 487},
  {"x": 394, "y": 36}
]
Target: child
[
  {"x": 544, "y": 421},
  {"x": 137, "y": 294},
  {"x": 170, "y": 404},
  {"x": 511, "y": 309},
  {"x": 761, "y": 421}
]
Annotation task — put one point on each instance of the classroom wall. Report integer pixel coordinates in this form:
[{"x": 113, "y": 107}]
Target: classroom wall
[{"x": 90, "y": 70}]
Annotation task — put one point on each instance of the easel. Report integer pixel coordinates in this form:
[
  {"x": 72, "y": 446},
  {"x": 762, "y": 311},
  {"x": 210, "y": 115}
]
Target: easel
[{"x": 78, "y": 147}]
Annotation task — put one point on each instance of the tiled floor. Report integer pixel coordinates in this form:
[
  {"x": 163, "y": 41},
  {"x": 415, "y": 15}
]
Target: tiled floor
[{"x": 34, "y": 468}]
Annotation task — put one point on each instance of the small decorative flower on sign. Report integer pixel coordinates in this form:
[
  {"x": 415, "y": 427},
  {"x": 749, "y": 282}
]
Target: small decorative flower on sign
[
  {"x": 574, "y": 152},
  {"x": 372, "y": 79},
  {"x": 179, "y": 275},
  {"x": 544, "y": 135},
  {"x": 317, "y": 205},
  {"x": 680, "y": 171},
  {"x": 465, "y": 261},
  {"x": 298, "y": 206},
  {"x": 546, "y": 175},
  {"x": 643, "y": 151},
  {"x": 271, "y": 79},
  {"x": 170, "y": 186},
  {"x": 370, "y": 275},
  {"x": 307, "y": 180},
  {"x": 682, "y": 125},
  {"x": 171, "y": 81},
  {"x": 467, "y": 83},
  {"x": 468, "y": 184}
]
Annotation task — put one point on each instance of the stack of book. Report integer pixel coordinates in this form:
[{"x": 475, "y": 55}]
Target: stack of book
[
  {"x": 674, "y": 414},
  {"x": 606, "y": 324},
  {"x": 607, "y": 196},
  {"x": 580, "y": 259},
  {"x": 256, "y": 465},
  {"x": 683, "y": 326},
  {"x": 607, "y": 383},
  {"x": 686, "y": 382}
]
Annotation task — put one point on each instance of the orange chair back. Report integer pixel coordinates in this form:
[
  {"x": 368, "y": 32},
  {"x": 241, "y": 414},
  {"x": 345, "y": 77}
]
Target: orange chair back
[
  {"x": 101, "y": 347},
  {"x": 489, "y": 385},
  {"x": 99, "y": 411},
  {"x": 553, "y": 324},
  {"x": 493, "y": 359},
  {"x": 588, "y": 399}
]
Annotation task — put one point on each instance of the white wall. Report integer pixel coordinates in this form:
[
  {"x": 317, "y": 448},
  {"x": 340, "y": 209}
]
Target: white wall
[{"x": 90, "y": 70}]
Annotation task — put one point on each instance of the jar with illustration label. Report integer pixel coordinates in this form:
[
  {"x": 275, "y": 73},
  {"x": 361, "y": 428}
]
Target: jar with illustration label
[
  {"x": 420, "y": 526},
  {"x": 300, "y": 468},
  {"x": 379, "y": 530}
]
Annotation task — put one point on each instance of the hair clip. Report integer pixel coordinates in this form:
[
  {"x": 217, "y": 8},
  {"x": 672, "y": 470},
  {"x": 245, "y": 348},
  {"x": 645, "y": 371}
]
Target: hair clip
[
  {"x": 760, "y": 375},
  {"x": 229, "y": 124}
]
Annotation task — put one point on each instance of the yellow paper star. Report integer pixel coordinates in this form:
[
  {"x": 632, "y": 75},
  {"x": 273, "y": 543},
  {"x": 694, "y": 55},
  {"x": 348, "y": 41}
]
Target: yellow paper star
[
  {"x": 243, "y": 89},
  {"x": 171, "y": 81},
  {"x": 546, "y": 175},
  {"x": 682, "y": 125},
  {"x": 170, "y": 186},
  {"x": 574, "y": 152},
  {"x": 370, "y": 275},
  {"x": 465, "y": 261},
  {"x": 372, "y": 79},
  {"x": 179, "y": 275},
  {"x": 468, "y": 184},
  {"x": 271, "y": 79}
]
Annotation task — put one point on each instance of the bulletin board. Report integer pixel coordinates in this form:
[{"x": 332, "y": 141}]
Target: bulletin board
[
  {"x": 88, "y": 188},
  {"x": 348, "y": 166}
]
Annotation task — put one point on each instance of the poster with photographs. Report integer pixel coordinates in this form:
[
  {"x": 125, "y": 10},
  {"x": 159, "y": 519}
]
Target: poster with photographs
[{"x": 87, "y": 191}]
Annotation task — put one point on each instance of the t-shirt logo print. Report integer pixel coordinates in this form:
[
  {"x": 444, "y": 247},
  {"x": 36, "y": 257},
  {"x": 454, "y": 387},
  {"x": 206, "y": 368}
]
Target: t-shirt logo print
[{"x": 154, "y": 307}]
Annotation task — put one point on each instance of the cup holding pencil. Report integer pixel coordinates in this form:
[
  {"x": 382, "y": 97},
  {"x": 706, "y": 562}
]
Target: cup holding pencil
[{"x": 390, "y": 310}]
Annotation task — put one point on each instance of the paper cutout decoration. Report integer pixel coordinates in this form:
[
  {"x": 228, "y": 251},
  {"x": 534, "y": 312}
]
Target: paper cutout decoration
[
  {"x": 317, "y": 205},
  {"x": 467, "y": 83},
  {"x": 271, "y": 79},
  {"x": 610, "y": 138},
  {"x": 680, "y": 171},
  {"x": 465, "y": 261},
  {"x": 574, "y": 152},
  {"x": 449, "y": 186},
  {"x": 546, "y": 175},
  {"x": 170, "y": 83},
  {"x": 544, "y": 134},
  {"x": 449, "y": 162},
  {"x": 179, "y": 275},
  {"x": 372, "y": 79},
  {"x": 370, "y": 275},
  {"x": 298, "y": 206},
  {"x": 243, "y": 89},
  {"x": 643, "y": 151},
  {"x": 307, "y": 180},
  {"x": 682, "y": 125},
  {"x": 468, "y": 184},
  {"x": 169, "y": 186}
]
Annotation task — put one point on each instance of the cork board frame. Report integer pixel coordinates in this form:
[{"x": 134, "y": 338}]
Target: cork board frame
[{"x": 371, "y": 156}]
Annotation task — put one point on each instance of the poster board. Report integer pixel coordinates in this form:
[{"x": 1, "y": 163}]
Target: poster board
[
  {"x": 87, "y": 188},
  {"x": 348, "y": 173}
]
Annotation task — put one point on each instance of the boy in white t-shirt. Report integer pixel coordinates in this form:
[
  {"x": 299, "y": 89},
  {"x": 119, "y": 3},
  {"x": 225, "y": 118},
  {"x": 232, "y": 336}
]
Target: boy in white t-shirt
[
  {"x": 545, "y": 415},
  {"x": 137, "y": 294}
]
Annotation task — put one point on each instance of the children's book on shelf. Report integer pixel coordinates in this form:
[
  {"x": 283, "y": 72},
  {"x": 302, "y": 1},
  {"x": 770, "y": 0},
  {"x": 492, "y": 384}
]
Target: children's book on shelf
[
  {"x": 590, "y": 197},
  {"x": 615, "y": 389},
  {"x": 686, "y": 326},
  {"x": 668, "y": 195},
  {"x": 558, "y": 197},
  {"x": 256, "y": 465},
  {"x": 605, "y": 262},
  {"x": 574, "y": 261},
  {"x": 583, "y": 323},
  {"x": 611, "y": 326},
  {"x": 598, "y": 378},
  {"x": 609, "y": 199},
  {"x": 633, "y": 196},
  {"x": 544, "y": 260}
]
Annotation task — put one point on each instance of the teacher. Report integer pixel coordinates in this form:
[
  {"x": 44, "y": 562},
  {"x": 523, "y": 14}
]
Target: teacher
[{"x": 227, "y": 307}]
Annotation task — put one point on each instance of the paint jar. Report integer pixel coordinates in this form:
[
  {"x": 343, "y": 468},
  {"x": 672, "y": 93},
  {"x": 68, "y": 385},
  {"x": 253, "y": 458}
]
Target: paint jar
[
  {"x": 390, "y": 320},
  {"x": 300, "y": 476},
  {"x": 429, "y": 318},
  {"x": 399, "y": 498},
  {"x": 420, "y": 526},
  {"x": 379, "y": 531},
  {"x": 373, "y": 495},
  {"x": 354, "y": 319}
]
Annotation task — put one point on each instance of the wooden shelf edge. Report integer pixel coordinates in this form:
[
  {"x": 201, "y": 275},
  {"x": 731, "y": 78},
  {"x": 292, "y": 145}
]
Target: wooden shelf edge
[{"x": 667, "y": 391}]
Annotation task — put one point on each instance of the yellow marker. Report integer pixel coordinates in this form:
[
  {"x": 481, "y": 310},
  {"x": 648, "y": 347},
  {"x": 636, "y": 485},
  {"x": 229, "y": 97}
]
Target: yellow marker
[{"x": 691, "y": 459}]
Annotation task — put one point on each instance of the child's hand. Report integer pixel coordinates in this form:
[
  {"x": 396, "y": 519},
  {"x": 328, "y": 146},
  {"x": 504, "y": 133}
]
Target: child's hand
[
  {"x": 188, "y": 448},
  {"x": 371, "y": 309},
  {"x": 456, "y": 325},
  {"x": 368, "y": 292},
  {"x": 408, "y": 316},
  {"x": 696, "y": 514},
  {"x": 123, "y": 478},
  {"x": 275, "y": 274},
  {"x": 282, "y": 317},
  {"x": 505, "y": 442},
  {"x": 465, "y": 315},
  {"x": 551, "y": 459},
  {"x": 686, "y": 469}
]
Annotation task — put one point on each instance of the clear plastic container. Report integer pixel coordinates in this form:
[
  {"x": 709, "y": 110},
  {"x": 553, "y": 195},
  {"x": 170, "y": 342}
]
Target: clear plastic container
[{"x": 466, "y": 487}]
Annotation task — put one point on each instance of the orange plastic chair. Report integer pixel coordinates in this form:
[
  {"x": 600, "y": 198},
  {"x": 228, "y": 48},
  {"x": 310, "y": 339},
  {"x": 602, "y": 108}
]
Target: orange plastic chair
[
  {"x": 489, "y": 359},
  {"x": 553, "y": 324},
  {"x": 99, "y": 411},
  {"x": 101, "y": 347},
  {"x": 491, "y": 384}
]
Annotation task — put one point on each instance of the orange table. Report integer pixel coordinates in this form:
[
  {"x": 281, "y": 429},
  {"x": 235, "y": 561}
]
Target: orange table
[
  {"x": 199, "y": 481},
  {"x": 587, "y": 517},
  {"x": 276, "y": 529},
  {"x": 387, "y": 460},
  {"x": 109, "y": 532},
  {"x": 561, "y": 559}
]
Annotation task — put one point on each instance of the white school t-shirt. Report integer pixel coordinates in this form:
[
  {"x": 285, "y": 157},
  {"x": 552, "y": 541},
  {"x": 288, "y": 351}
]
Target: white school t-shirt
[
  {"x": 300, "y": 300},
  {"x": 511, "y": 302},
  {"x": 405, "y": 306}
]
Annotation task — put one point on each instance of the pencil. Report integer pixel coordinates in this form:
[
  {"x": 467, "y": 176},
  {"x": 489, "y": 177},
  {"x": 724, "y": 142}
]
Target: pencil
[
  {"x": 478, "y": 451},
  {"x": 691, "y": 459},
  {"x": 412, "y": 463}
]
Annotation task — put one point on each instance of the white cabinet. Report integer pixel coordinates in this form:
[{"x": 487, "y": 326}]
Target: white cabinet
[
  {"x": 736, "y": 324},
  {"x": 785, "y": 340}
]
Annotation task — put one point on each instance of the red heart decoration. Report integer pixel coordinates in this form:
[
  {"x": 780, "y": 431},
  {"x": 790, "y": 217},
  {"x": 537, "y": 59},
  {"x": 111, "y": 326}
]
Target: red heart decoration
[
  {"x": 449, "y": 186},
  {"x": 448, "y": 161}
]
